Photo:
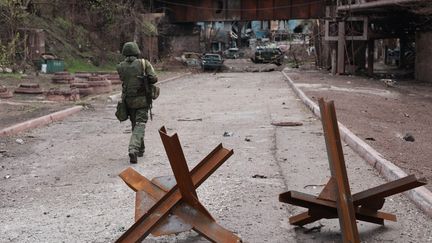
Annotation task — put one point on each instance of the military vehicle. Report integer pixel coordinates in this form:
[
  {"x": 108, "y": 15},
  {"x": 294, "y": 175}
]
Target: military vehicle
[{"x": 268, "y": 55}]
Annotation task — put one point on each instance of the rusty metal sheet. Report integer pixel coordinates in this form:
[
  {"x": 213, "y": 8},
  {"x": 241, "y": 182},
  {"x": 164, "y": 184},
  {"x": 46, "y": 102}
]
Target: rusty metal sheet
[
  {"x": 345, "y": 207},
  {"x": 205, "y": 226},
  {"x": 249, "y": 10},
  {"x": 170, "y": 225},
  {"x": 300, "y": 9},
  {"x": 172, "y": 200},
  {"x": 143, "y": 226},
  {"x": 144, "y": 201},
  {"x": 233, "y": 10},
  {"x": 335, "y": 200},
  {"x": 305, "y": 218},
  {"x": 179, "y": 166},
  {"x": 137, "y": 182},
  {"x": 316, "y": 9},
  {"x": 177, "y": 10},
  {"x": 204, "y": 9},
  {"x": 265, "y": 10},
  {"x": 282, "y": 9},
  {"x": 166, "y": 183},
  {"x": 194, "y": 218},
  {"x": 388, "y": 189},
  {"x": 327, "y": 209},
  {"x": 329, "y": 191}
]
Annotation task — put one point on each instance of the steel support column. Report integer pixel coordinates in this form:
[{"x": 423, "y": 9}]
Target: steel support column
[
  {"x": 371, "y": 49},
  {"x": 341, "y": 48}
]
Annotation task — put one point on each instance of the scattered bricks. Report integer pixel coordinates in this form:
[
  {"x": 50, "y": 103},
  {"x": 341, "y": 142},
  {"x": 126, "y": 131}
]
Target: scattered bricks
[
  {"x": 114, "y": 78},
  {"x": 29, "y": 88},
  {"x": 100, "y": 85},
  {"x": 102, "y": 73},
  {"x": 55, "y": 94},
  {"x": 63, "y": 78},
  {"x": 62, "y": 73},
  {"x": 5, "y": 93},
  {"x": 83, "y": 75},
  {"x": 83, "y": 88},
  {"x": 96, "y": 78}
]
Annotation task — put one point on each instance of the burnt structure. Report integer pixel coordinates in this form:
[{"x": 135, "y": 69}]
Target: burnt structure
[
  {"x": 240, "y": 10},
  {"x": 357, "y": 28},
  {"x": 350, "y": 34},
  {"x": 214, "y": 35}
]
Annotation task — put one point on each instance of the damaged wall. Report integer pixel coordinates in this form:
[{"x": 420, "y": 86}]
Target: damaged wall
[
  {"x": 149, "y": 39},
  {"x": 242, "y": 10},
  {"x": 34, "y": 43},
  {"x": 187, "y": 43},
  {"x": 179, "y": 38},
  {"x": 423, "y": 64}
]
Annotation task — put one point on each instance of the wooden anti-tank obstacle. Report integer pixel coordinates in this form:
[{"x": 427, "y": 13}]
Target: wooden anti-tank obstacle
[
  {"x": 335, "y": 200},
  {"x": 174, "y": 205}
]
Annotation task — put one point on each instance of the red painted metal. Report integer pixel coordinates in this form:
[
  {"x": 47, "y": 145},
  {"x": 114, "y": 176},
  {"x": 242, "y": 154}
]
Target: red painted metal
[
  {"x": 265, "y": 10},
  {"x": 242, "y": 10}
]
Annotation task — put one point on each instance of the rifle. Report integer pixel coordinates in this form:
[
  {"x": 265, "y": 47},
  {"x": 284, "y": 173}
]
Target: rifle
[{"x": 146, "y": 89}]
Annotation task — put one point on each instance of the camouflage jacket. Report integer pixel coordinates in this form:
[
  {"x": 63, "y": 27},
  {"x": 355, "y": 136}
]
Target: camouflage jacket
[{"x": 132, "y": 86}]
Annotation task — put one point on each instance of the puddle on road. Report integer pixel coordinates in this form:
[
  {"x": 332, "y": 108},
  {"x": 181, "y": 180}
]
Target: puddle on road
[{"x": 326, "y": 87}]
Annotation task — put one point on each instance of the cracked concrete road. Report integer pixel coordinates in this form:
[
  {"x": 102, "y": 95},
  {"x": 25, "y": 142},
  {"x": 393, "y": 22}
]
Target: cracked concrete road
[{"x": 61, "y": 185}]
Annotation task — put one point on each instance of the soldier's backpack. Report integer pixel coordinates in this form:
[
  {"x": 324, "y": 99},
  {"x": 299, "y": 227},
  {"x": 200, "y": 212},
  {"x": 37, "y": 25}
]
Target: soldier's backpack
[{"x": 153, "y": 90}]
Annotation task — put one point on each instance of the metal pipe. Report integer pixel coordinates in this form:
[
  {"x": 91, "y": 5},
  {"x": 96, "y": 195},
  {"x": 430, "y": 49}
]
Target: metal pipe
[{"x": 375, "y": 4}]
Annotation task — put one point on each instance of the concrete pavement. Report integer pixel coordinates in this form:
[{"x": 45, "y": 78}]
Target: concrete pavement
[{"x": 63, "y": 183}]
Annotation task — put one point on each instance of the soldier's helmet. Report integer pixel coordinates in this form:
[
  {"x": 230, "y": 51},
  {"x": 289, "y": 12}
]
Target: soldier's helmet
[{"x": 131, "y": 49}]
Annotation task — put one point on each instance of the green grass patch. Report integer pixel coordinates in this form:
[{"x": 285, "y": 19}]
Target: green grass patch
[
  {"x": 11, "y": 75},
  {"x": 79, "y": 65}
]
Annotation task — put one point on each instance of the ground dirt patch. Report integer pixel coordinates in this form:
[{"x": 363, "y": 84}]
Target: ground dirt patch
[
  {"x": 380, "y": 115},
  {"x": 60, "y": 182}
]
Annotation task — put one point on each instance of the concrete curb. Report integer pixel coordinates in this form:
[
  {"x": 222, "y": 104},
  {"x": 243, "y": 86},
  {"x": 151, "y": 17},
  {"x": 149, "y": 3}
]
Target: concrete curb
[
  {"x": 174, "y": 78},
  {"x": 421, "y": 196},
  {"x": 116, "y": 97},
  {"x": 38, "y": 122}
]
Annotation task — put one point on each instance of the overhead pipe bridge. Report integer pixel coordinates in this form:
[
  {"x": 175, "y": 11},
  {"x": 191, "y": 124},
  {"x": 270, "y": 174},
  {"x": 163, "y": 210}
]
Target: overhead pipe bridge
[{"x": 184, "y": 11}]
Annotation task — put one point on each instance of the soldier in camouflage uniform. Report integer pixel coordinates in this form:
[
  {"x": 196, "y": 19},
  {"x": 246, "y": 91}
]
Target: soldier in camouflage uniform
[{"x": 134, "y": 95}]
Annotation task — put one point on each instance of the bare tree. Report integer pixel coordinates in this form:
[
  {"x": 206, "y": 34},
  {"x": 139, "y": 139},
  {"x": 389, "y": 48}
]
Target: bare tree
[{"x": 12, "y": 15}]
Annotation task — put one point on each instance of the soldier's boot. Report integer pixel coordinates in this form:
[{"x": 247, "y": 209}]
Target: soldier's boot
[
  {"x": 133, "y": 159},
  {"x": 135, "y": 141},
  {"x": 142, "y": 149}
]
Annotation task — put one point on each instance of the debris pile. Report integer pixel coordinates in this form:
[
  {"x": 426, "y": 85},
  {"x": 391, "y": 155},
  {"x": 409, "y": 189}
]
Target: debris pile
[
  {"x": 29, "y": 88},
  {"x": 82, "y": 76},
  {"x": 84, "y": 88},
  {"x": 63, "y": 78},
  {"x": 114, "y": 78},
  {"x": 5, "y": 93},
  {"x": 100, "y": 84},
  {"x": 55, "y": 94}
]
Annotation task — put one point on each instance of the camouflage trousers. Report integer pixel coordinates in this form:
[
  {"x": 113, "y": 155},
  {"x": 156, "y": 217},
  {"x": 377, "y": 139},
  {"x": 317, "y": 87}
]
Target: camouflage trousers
[{"x": 138, "y": 118}]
